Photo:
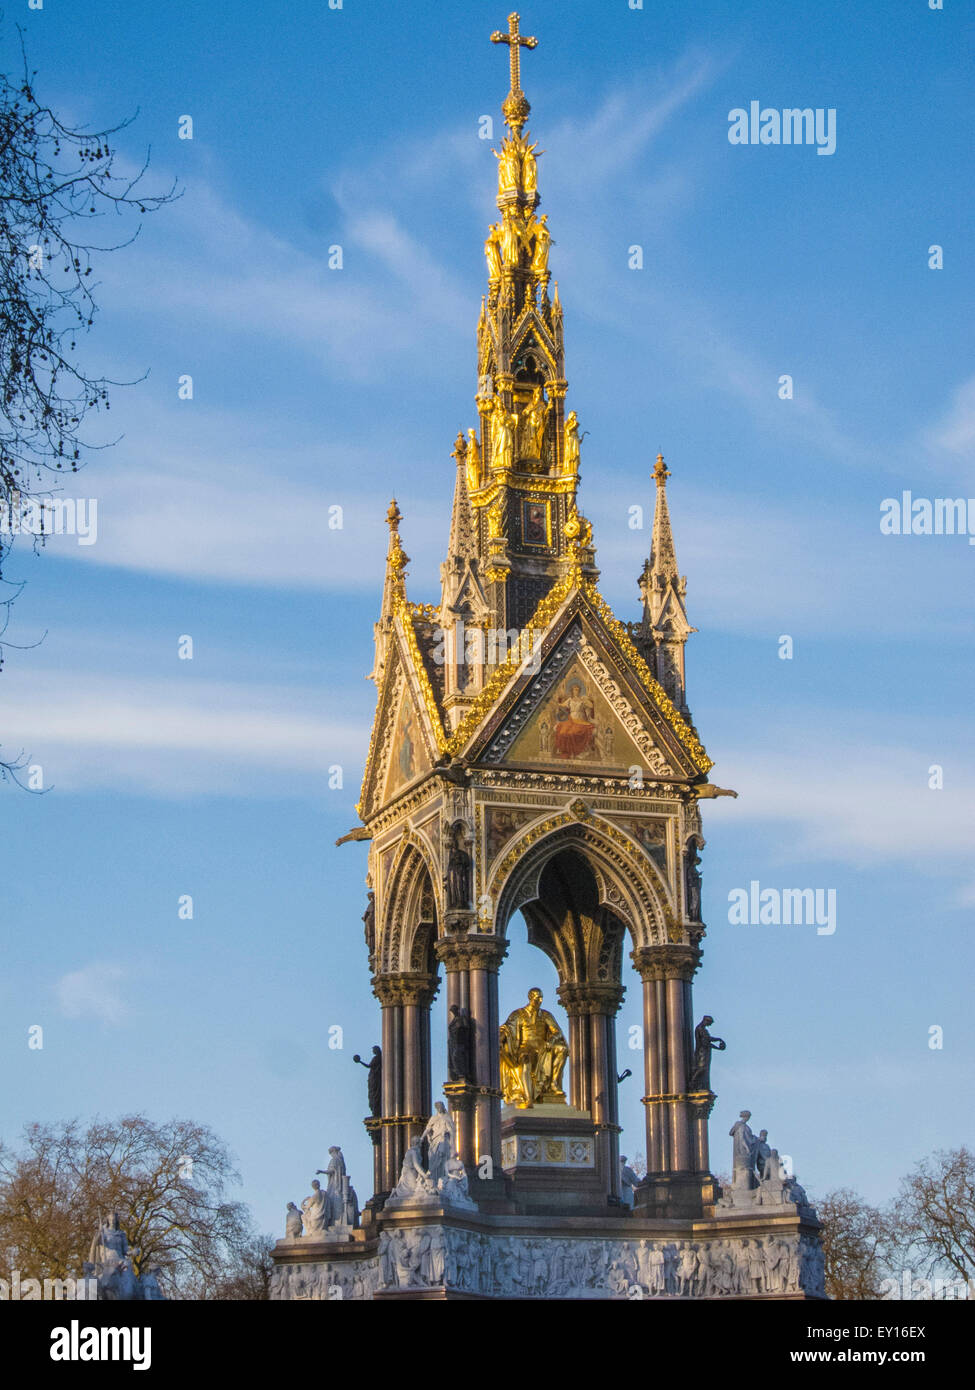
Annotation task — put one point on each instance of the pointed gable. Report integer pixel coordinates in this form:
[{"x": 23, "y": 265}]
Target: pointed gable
[{"x": 575, "y": 638}]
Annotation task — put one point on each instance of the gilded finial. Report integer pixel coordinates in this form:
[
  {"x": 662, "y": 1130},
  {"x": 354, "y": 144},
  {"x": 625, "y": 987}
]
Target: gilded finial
[
  {"x": 661, "y": 472},
  {"x": 394, "y": 516},
  {"x": 516, "y": 108}
]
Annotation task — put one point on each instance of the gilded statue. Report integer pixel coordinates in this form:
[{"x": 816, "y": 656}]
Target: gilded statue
[
  {"x": 543, "y": 240},
  {"x": 473, "y": 462},
  {"x": 529, "y": 169},
  {"x": 502, "y": 435},
  {"x": 492, "y": 252},
  {"x": 512, "y": 237},
  {"x": 509, "y": 168},
  {"x": 533, "y": 421},
  {"x": 533, "y": 1056},
  {"x": 497, "y": 521},
  {"x": 571, "y": 453}
]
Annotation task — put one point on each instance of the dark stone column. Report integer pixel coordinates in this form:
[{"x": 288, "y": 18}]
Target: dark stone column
[
  {"x": 572, "y": 999},
  {"x": 592, "y": 1011},
  {"x": 471, "y": 964},
  {"x": 673, "y": 1185},
  {"x": 405, "y": 999}
]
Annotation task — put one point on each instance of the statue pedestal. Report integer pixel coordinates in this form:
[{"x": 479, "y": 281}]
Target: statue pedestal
[{"x": 549, "y": 1155}]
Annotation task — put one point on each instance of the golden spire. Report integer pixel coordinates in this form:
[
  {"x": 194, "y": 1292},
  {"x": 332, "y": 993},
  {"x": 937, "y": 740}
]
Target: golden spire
[
  {"x": 516, "y": 107},
  {"x": 396, "y": 558}
]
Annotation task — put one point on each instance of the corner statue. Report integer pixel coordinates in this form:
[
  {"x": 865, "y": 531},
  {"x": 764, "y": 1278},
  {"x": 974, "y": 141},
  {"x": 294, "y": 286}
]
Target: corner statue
[{"x": 533, "y": 1055}]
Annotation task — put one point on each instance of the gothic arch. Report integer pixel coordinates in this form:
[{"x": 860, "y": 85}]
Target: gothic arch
[
  {"x": 410, "y": 915},
  {"x": 628, "y": 885}
]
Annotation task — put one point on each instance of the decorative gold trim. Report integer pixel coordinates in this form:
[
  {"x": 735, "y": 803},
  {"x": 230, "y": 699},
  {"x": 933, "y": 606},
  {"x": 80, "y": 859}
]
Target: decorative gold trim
[
  {"x": 401, "y": 610},
  {"x": 541, "y": 619},
  {"x": 666, "y": 705}
]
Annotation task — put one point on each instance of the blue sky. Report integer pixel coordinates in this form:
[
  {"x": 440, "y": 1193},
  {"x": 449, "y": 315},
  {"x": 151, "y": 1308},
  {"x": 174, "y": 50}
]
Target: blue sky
[{"x": 316, "y": 387}]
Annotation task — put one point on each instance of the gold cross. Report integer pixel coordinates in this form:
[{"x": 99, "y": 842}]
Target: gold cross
[{"x": 516, "y": 42}]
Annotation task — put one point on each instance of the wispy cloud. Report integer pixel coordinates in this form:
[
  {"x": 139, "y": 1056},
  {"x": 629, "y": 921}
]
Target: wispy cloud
[
  {"x": 168, "y": 739},
  {"x": 954, "y": 433},
  {"x": 858, "y": 801},
  {"x": 93, "y": 993}
]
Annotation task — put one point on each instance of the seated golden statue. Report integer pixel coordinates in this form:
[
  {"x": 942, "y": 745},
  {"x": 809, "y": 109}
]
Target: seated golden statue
[{"x": 533, "y": 1055}]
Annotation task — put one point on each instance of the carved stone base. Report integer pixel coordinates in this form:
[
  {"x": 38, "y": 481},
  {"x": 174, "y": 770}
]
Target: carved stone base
[
  {"x": 761, "y": 1255},
  {"x": 549, "y": 1154}
]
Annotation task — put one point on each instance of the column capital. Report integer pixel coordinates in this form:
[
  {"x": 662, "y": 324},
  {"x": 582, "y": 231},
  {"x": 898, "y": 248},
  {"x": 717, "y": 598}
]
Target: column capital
[
  {"x": 591, "y": 998},
  {"x": 472, "y": 953},
  {"x": 413, "y": 987},
  {"x": 666, "y": 962}
]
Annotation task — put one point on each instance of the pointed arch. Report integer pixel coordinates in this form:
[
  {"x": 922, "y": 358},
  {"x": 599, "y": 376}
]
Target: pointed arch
[
  {"x": 410, "y": 912},
  {"x": 628, "y": 885}
]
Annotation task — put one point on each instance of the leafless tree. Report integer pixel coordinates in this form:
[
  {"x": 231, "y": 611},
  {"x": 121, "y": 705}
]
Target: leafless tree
[
  {"x": 935, "y": 1213},
  {"x": 859, "y": 1245},
  {"x": 168, "y": 1182},
  {"x": 57, "y": 184}
]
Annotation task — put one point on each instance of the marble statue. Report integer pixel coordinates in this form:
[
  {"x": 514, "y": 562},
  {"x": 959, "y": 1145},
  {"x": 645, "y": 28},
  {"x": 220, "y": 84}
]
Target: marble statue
[
  {"x": 762, "y": 1156},
  {"x": 292, "y": 1223},
  {"x": 628, "y": 1181},
  {"x": 337, "y": 1190},
  {"x": 759, "y": 1177},
  {"x": 315, "y": 1211},
  {"x": 414, "y": 1182},
  {"x": 374, "y": 1084},
  {"x": 743, "y": 1151},
  {"x": 454, "y": 1187},
  {"x": 533, "y": 1055},
  {"x": 111, "y": 1267},
  {"x": 459, "y": 1044},
  {"x": 704, "y": 1045},
  {"x": 439, "y": 1138}
]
